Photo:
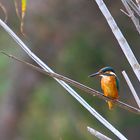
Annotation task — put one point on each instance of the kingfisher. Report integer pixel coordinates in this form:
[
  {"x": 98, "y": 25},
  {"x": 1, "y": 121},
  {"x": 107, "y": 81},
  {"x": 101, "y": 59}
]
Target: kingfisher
[{"x": 109, "y": 83}]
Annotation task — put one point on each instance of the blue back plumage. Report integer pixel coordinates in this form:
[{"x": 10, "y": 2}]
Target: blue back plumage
[{"x": 117, "y": 83}]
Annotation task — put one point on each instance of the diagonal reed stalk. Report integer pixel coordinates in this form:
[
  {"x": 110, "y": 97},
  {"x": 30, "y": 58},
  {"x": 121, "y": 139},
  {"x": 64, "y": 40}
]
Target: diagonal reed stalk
[
  {"x": 62, "y": 83},
  {"x": 134, "y": 6},
  {"x": 132, "y": 15},
  {"x": 120, "y": 38},
  {"x": 85, "y": 88},
  {"x": 98, "y": 134}
]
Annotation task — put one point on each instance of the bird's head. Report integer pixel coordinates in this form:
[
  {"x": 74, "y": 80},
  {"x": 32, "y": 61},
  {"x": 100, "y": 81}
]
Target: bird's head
[{"x": 106, "y": 71}]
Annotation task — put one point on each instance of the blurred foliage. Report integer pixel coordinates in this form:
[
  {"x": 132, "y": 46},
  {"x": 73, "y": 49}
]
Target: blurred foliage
[{"x": 76, "y": 37}]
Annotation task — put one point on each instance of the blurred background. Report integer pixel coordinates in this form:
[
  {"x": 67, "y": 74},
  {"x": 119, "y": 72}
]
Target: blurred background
[{"x": 73, "y": 38}]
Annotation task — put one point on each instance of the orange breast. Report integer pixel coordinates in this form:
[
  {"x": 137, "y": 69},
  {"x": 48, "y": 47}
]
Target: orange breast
[{"x": 109, "y": 86}]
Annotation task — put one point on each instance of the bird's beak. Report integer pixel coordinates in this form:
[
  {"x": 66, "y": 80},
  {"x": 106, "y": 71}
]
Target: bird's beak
[{"x": 94, "y": 74}]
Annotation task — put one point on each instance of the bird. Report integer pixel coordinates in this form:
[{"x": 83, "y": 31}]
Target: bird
[{"x": 109, "y": 83}]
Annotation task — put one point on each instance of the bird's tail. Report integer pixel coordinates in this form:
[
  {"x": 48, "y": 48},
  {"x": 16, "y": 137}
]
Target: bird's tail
[{"x": 110, "y": 104}]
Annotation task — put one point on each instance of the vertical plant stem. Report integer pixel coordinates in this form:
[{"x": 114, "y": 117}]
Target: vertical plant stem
[{"x": 131, "y": 88}]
